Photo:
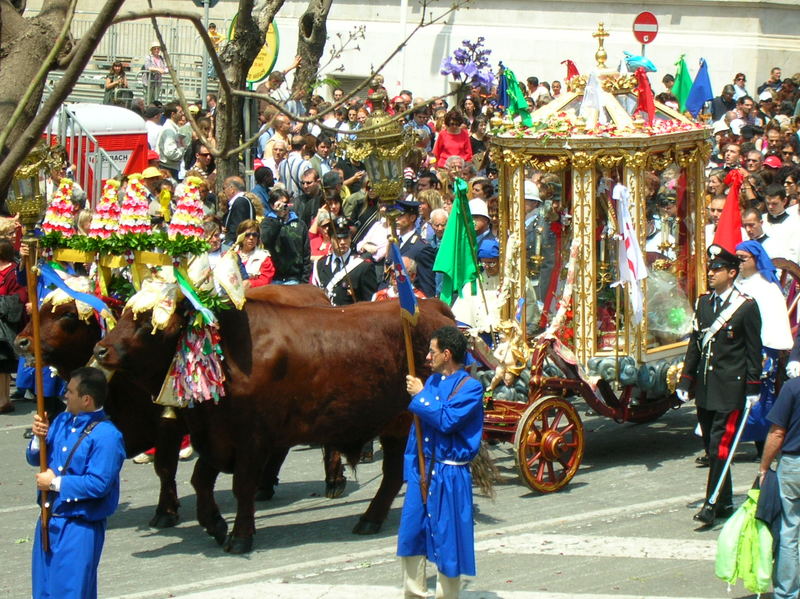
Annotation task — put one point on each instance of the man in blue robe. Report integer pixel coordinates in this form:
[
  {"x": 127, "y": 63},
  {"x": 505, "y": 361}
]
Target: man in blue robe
[
  {"x": 85, "y": 453},
  {"x": 450, "y": 410}
]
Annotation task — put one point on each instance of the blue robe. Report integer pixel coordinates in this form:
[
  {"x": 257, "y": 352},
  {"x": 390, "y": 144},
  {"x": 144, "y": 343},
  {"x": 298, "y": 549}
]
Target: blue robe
[
  {"x": 26, "y": 378},
  {"x": 451, "y": 430},
  {"x": 89, "y": 493}
]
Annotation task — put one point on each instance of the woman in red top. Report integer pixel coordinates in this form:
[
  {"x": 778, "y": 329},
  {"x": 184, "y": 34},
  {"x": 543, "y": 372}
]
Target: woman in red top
[
  {"x": 453, "y": 140},
  {"x": 12, "y": 309},
  {"x": 255, "y": 259}
]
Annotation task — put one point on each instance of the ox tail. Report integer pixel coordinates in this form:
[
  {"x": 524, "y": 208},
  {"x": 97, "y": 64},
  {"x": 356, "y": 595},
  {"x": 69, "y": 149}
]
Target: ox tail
[{"x": 484, "y": 471}]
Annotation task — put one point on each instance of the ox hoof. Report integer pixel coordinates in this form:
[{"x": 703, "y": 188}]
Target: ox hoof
[
  {"x": 164, "y": 520},
  {"x": 365, "y": 527},
  {"x": 265, "y": 494},
  {"x": 336, "y": 489},
  {"x": 238, "y": 545},
  {"x": 219, "y": 530}
]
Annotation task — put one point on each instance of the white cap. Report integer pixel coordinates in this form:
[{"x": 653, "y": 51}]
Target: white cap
[
  {"x": 720, "y": 125},
  {"x": 478, "y": 207},
  {"x": 765, "y": 96},
  {"x": 736, "y": 126},
  {"x": 532, "y": 191}
]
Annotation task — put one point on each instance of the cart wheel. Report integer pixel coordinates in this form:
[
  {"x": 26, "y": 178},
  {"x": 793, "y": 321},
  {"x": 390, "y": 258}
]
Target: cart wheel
[{"x": 549, "y": 444}]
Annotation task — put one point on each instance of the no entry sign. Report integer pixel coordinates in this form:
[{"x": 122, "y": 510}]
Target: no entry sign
[{"x": 645, "y": 27}]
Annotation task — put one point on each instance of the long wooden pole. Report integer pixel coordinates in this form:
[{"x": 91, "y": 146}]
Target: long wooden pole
[
  {"x": 423, "y": 482},
  {"x": 30, "y": 261}
]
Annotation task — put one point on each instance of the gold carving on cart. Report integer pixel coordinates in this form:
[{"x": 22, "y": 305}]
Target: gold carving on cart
[
  {"x": 582, "y": 160},
  {"x": 660, "y": 161},
  {"x": 601, "y": 55}
]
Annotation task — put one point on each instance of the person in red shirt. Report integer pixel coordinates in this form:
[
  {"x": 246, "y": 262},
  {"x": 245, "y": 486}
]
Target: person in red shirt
[
  {"x": 453, "y": 140},
  {"x": 12, "y": 301}
]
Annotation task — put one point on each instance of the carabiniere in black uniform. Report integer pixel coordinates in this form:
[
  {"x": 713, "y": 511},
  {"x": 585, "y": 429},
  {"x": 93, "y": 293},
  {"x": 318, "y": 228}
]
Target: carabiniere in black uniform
[{"x": 721, "y": 368}]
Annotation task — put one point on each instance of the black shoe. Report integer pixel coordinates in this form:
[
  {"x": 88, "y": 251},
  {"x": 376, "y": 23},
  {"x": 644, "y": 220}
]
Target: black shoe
[
  {"x": 723, "y": 513},
  {"x": 28, "y": 434},
  {"x": 18, "y": 394},
  {"x": 702, "y": 461},
  {"x": 705, "y": 515}
]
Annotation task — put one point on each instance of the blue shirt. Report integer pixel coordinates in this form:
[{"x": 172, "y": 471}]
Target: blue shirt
[
  {"x": 786, "y": 414},
  {"x": 90, "y": 483}
]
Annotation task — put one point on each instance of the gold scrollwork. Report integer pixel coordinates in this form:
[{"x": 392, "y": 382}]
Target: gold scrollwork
[
  {"x": 582, "y": 160},
  {"x": 658, "y": 162},
  {"x": 516, "y": 158},
  {"x": 611, "y": 84},
  {"x": 607, "y": 162},
  {"x": 636, "y": 161}
]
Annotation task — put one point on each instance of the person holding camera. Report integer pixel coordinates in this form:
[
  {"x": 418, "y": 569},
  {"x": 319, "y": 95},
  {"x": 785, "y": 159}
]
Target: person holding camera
[{"x": 286, "y": 237}]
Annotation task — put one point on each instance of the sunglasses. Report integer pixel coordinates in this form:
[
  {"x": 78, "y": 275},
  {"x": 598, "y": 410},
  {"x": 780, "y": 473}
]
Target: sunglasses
[
  {"x": 740, "y": 79},
  {"x": 252, "y": 235},
  {"x": 787, "y": 153}
]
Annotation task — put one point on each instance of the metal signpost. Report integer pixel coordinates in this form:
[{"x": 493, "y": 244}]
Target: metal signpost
[{"x": 645, "y": 28}]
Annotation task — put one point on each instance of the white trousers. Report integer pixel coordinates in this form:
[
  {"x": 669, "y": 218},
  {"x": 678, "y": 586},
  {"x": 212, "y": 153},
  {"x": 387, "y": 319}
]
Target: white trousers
[{"x": 415, "y": 585}]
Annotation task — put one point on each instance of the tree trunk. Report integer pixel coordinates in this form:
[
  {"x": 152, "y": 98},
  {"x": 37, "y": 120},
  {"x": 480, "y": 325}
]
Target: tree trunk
[
  {"x": 236, "y": 58},
  {"x": 311, "y": 38},
  {"x": 24, "y": 46}
]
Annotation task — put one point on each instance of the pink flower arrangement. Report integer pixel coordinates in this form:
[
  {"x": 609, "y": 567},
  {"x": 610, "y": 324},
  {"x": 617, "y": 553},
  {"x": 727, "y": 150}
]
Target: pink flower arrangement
[
  {"x": 134, "y": 217},
  {"x": 105, "y": 221},
  {"x": 60, "y": 215},
  {"x": 187, "y": 219}
]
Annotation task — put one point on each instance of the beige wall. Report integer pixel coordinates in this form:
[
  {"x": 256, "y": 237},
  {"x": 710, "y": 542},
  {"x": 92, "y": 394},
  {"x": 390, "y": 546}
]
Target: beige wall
[{"x": 532, "y": 38}]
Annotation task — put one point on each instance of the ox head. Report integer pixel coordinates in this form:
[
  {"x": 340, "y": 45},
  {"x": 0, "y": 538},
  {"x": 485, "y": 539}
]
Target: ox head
[
  {"x": 67, "y": 333},
  {"x": 146, "y": 335}
]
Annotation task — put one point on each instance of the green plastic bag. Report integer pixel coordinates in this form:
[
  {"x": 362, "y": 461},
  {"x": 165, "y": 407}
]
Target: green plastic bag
[{"x": 744, "y": 548}]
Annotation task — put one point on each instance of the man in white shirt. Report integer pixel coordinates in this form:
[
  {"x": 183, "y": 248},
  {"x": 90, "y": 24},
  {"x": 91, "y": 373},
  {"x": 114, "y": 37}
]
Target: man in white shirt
[
  {"x": 152, "y": 123},
  {"x": 774, "y": 246},
  {"x": 171, "y": 144}
]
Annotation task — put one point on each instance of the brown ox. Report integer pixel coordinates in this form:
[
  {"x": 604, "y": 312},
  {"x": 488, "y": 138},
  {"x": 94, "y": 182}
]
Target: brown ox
[
  {"x": 68, "y": 343},
  {"x": 294, "y": 376}
]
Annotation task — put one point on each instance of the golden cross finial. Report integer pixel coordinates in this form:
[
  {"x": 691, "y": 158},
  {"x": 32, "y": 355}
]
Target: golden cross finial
[{"x": 601, "y": 55}]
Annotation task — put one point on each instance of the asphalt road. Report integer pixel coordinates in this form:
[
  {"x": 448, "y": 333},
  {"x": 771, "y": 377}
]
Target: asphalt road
[{"x": 623, "y": 528}]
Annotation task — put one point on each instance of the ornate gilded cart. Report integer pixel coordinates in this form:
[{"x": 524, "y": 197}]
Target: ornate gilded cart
[{"x": 582, "y": 338}]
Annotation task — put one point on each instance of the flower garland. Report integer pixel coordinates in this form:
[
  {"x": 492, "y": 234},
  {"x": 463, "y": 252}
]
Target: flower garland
[
  {"x": 60, "y": 215},
  {"x": 564, "y": 312},
  {"x": 564, "y": 124}
]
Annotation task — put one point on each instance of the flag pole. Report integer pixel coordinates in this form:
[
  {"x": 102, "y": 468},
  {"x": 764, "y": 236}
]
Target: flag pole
[
  {"x": 474, "y": 255},
  {"x": 412, "y": 371},
  {"x": 30, "y": 275}
]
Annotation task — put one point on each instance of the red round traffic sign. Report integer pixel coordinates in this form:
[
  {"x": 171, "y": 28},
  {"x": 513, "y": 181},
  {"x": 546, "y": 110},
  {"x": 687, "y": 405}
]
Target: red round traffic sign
[{"x": 645, "y": 27}]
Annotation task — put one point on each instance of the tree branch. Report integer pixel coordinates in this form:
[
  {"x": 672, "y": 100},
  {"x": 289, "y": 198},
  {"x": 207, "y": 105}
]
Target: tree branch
[{"x": 24, "y": 143}]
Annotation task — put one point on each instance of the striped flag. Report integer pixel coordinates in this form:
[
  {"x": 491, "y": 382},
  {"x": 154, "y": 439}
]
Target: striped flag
[{"x": 632, "y": 267}]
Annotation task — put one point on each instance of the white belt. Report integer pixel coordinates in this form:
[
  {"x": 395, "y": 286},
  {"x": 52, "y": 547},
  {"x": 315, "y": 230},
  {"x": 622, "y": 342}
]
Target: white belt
[{"x": 452, "y": 463}]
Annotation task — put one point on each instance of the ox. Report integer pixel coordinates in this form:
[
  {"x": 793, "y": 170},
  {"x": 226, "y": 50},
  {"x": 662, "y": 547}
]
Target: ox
[
  {"x": 68, "y": 343},
  {"x": 295, "y": 375}
]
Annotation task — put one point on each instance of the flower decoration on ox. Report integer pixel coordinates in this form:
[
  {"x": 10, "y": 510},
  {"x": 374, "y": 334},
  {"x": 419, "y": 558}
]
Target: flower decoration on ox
[{"x": 469, "y": 64}]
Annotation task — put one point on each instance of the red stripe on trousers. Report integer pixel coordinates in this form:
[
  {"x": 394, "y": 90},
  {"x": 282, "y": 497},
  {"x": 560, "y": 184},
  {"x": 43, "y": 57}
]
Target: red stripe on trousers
[{"x": 724, "y": 447}]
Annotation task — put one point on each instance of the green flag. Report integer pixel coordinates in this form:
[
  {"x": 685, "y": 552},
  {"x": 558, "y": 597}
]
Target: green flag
[
  {"x": 457, "y": 259},
  {"x": 683, "y": 83},
  {"x": 517, "y": 104}
]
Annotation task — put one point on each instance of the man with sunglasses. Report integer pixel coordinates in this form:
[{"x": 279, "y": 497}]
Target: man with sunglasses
[{"x": 721, "y": 370}]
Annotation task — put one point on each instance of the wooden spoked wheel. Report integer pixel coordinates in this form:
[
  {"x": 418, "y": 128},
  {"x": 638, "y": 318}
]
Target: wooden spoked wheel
[{"x": 548, "y": 444}]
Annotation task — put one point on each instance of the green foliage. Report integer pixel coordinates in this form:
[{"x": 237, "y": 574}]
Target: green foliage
[
  {"x": 117, "y": 245},
  {"x": 121, "y": 288}
]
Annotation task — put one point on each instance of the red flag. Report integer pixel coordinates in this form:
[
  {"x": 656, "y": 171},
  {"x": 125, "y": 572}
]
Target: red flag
[
  {"x": 646, "y": 100},
  {"x": 729, "y": 227},
  {"x": 572, "y": 70}
]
